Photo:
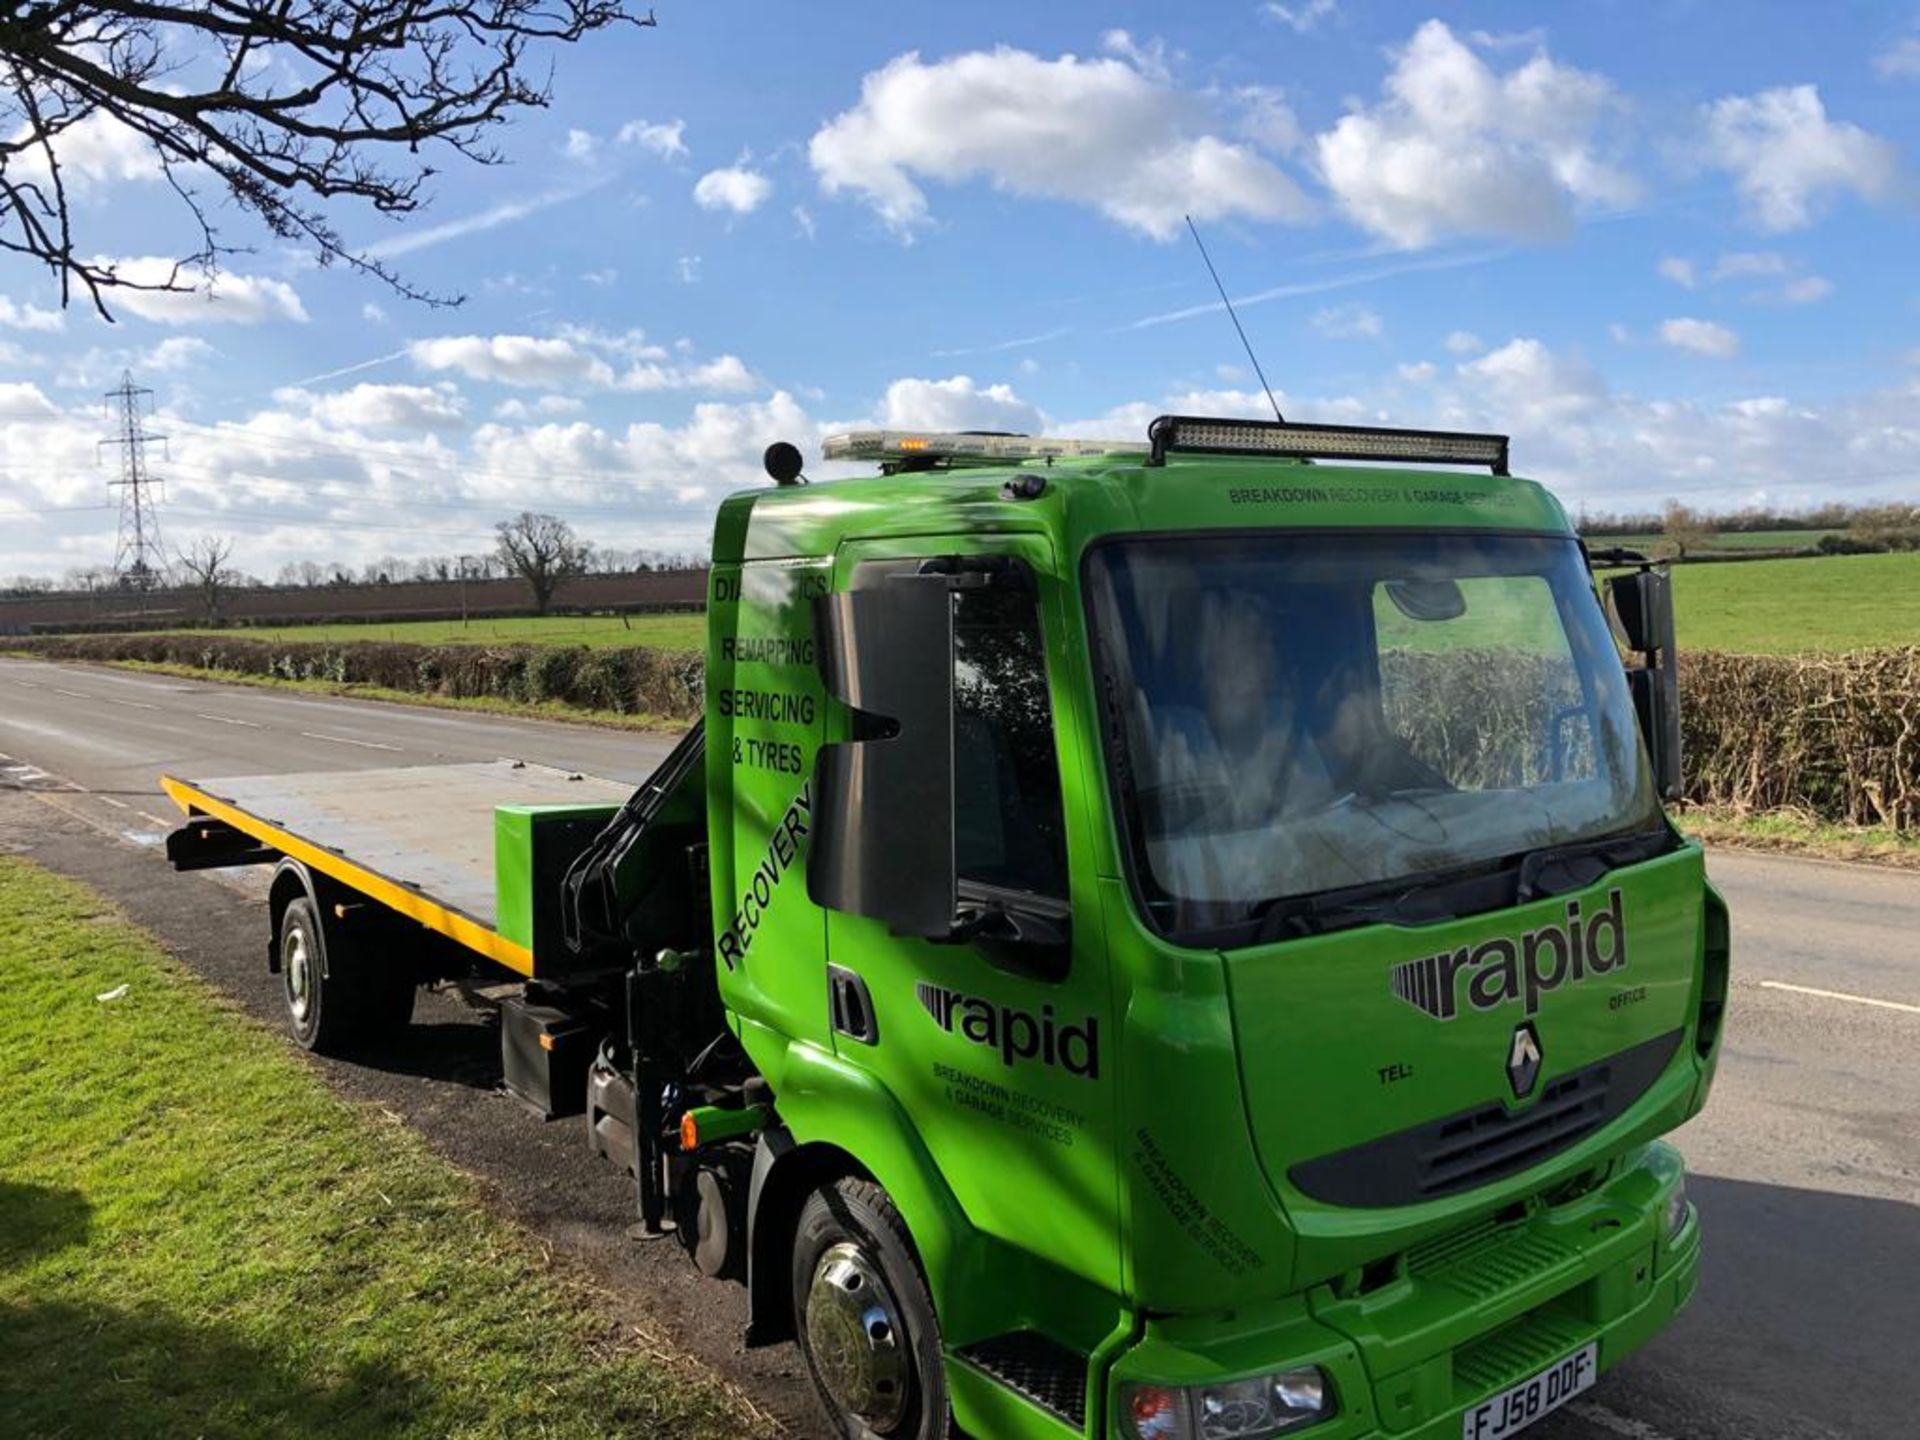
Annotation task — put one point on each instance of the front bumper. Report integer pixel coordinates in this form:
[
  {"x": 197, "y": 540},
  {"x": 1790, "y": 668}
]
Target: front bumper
[{"x": 1457, "y": 1319}]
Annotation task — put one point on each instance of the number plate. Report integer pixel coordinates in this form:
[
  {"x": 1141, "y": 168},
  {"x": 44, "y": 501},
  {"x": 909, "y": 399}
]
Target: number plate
[{"x": 1513, "y": 1410}]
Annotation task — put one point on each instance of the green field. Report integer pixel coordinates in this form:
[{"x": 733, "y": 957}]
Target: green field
[
  {"x": 1827, "y": 602},
  {"x": 198, "y": 1238},
  {"x": 1780, "y": 607},
  {"x": 671, "y": 632},
  {"x": 1725, "y": 541}
]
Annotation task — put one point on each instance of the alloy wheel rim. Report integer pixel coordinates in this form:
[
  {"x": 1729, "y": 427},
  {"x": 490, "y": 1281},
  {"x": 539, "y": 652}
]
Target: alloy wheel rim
[{"x": 855, "y": 1337}]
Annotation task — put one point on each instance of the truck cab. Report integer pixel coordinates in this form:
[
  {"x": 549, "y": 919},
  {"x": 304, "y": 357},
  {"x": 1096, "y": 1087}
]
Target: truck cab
[
  {"x": 1216, "y": 904},
  {"x": 1166, "y": 940}
]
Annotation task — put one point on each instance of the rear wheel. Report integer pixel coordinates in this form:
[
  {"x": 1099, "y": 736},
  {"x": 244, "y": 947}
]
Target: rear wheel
[
  {"x": 339, "y": 999},
  {"x": 865, "y": 1319}
]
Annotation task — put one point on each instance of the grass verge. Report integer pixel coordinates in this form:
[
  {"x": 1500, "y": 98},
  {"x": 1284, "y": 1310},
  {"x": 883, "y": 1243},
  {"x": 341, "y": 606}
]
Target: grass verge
[
  {"x": 676, "y": 631},
  {"x": 1792, "y": 833},
  {"x": 487, "y": 705},
  {"x": 198, "y": 1238}
]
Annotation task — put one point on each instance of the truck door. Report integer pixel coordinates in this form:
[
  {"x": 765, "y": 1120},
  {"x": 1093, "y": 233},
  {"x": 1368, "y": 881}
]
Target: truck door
[{"x": 997, "y": 1042}]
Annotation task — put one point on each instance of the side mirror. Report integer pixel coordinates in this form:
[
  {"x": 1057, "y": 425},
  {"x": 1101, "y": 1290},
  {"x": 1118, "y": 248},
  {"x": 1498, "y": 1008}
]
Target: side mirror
[
  {"x": 884, "y": 846},
  {"x": 1643, "y": 605}
]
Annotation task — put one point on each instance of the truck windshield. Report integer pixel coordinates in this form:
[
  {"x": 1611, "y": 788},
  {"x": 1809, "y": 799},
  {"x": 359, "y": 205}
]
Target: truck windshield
[{"x": 1301, "y": 715}]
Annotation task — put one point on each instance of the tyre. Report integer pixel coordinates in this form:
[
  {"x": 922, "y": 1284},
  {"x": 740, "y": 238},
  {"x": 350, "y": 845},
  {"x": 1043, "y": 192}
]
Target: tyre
[
  {"x": 339, "y": 1001},
  {"x": 865, "y": 1319}
]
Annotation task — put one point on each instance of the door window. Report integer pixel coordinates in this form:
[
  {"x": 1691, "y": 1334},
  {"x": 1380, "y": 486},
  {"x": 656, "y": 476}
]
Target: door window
[{"x": 1008, "y": 830}]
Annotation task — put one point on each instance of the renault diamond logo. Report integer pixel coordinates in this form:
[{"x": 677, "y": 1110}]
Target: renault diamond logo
[{"x": 1523, "y": 1060}]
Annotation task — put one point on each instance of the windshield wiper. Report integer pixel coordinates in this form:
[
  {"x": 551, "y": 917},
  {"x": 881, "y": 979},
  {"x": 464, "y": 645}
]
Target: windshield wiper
[
  {"x": 1492, "y": 885},
  {"x": 1556, "y": 869},
  {"x": 1401, "y": 901}
]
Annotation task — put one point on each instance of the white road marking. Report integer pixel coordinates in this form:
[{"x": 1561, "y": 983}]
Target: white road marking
[
  {"x": 348, "y": 740},
  {"x": 76, "y": 694},
  {"x": 1614, "y": 1423},
  {"x": 155, "y": 819},
  {"x": 26, "y": 685},
  {"x": 1841, "y": 995},
  {"x": 109, "y": 800},
  {"x": 229, "y": 720},
  {"x": 133, "y": 704}
]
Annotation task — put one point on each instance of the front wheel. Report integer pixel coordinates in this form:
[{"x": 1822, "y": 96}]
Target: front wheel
[
  {"x": 339, "y": 1001},
  {"x": 865, "y": 1319}
]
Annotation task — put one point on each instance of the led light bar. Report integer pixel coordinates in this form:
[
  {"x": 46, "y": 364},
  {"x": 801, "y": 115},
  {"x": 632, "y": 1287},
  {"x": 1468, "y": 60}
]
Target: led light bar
[
  {"x": 959, "y": 447},
  {"x": 1194, "y": 433}
]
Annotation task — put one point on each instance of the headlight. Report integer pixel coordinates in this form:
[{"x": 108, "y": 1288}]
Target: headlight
[
  {"x": 1236, "y": 1410},
  {"x": 1677, "y": 1209}
]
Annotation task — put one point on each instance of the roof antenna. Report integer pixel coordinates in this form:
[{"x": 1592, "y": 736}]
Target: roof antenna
[{"x": 1235, "y": 318}]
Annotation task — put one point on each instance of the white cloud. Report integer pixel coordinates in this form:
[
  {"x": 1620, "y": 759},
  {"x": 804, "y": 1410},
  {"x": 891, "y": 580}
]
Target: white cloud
[
  {"x": 1789, "y": 285},
  {"x": 30, "y": 317},
  {"x": 687, "y": 269},
  {"x": 1302, "y": 15},
  {"x": 1681, "y": 272},
  {"x": 23, "y": 400},
  {"x": 735, "y": 188},
  {"x": 1105, "y": 133},
  {"x": 176, "y": 352},
  {"x": 518, "y": 409},
  {"x": 95, "y": 151},
  {"x": 1420, "y": 372},
  {"x": 662, "y": 138},
  {"x": 1348, "y": 322},
  {"x": 957, "y": 403},
  {"x": 372, "y": 313},
  {"x": 1463, "y": 342},
  {"x": 581, "y": 145},
  {"x": 1532, "y": 385},
  {"x": 602, "y": 277},
  {"x": 1268, "y": 120},
  {"x": 1455, "y": 148},
  {"x": 1787, "y": 158},
  {"x": 220, "y": 297},
  {"x": 1900, "y": 60},
  {"x": 1805, "y": 290},
  {"x": 725, "y": 373},
  {"x": 1622, "y": 451},
  {"x": 1703, "y": 337},
  {"x": 527, "y": 360},
  {"x": 579, "y": 357},
  {"x": 803, "y": 221},
  {"x": 1749, "y": 264},
  {"x": 382, "y": 407}
]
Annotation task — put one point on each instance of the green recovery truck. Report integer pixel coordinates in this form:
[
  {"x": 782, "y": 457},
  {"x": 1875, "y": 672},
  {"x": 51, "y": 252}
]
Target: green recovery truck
[{"x": 1155, "y": 941}]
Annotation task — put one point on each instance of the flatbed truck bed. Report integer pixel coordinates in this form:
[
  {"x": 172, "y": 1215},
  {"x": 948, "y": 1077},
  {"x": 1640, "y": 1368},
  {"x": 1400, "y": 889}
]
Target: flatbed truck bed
[{"x": 417, "y": 839}]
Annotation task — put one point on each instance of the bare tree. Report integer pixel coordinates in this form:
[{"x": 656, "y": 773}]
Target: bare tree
[
  {"x": 543, "y": 551},
  {"x": 275, "y": 107},
  {"x": 203, "y": 567},
  {"x": 1685, "y": 528}
]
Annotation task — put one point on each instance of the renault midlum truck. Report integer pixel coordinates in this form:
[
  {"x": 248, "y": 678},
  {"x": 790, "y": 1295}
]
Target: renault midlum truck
[{"x": 1152, "y": 941}]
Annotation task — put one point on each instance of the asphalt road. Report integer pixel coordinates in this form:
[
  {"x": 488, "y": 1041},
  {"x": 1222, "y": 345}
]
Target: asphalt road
[{"x": 1806, "y": 1165}]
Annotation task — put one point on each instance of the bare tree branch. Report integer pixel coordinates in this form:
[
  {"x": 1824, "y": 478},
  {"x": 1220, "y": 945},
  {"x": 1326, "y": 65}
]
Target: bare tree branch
[
  {"x": 543, "y": 551},
  {"x": 203, "y": 567},
  {"x": 280, "y": 105}
]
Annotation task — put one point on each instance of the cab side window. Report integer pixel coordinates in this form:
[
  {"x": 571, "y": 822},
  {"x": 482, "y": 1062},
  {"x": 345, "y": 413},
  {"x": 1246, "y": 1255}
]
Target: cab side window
[{"x": 1008, "y": 829}]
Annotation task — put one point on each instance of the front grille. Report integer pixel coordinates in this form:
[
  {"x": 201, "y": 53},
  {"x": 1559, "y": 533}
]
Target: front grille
[
  {"x": 1487, "y": 1259},
  {"x": 1040, "y": 1370},
  {"x": 1515, "y": 1351},
  {"x": 1488, "y": 1142}
]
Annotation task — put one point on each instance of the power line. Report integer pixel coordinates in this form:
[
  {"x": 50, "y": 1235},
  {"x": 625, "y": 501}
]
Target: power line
[{"x": 138, "y": 559}]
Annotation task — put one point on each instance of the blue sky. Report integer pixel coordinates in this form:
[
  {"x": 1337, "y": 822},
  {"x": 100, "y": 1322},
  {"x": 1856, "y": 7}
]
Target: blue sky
[{"x": 1670, "y": 247}]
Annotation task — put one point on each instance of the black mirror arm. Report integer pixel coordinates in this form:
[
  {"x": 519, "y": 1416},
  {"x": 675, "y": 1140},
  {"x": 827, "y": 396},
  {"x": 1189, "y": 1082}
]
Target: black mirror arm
[{"x": 1009, "y": 920}]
